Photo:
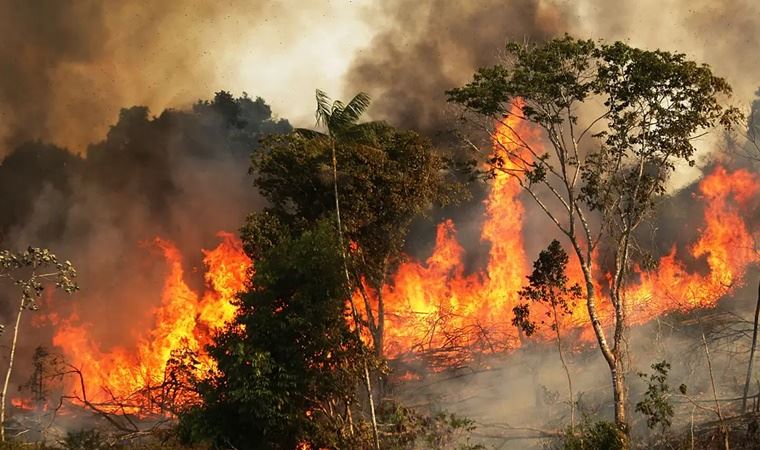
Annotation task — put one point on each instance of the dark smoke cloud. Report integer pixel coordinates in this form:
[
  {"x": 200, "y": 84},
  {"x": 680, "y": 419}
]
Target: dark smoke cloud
[
  {"x": 426, "y": 48},
  {"x": 39, "y": 37},
  {"x": 66, "y": 68},
  {"x": 422, "y": 49}
]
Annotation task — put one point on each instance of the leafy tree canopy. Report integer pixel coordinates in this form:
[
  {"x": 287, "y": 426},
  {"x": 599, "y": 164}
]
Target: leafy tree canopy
[
  {"x": 386, "y": 177},
  {"x": 288, "y": 381}
]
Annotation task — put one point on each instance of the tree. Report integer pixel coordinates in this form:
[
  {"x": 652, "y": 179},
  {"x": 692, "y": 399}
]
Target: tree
[
  {"x": 287, "y": 367},
  {"x": 340, "y": 120},
  {"x": 656, "y": 402},
  {"x": 386, "y": 178},
  {"x": 615, "y": 120},
  {"x": 550, "y": 287},
  {"x": 30, "y": 271}
]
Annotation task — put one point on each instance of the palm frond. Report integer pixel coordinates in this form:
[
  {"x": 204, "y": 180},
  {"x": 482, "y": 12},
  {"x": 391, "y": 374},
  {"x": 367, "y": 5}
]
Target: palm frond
[
  {"x": 324, "y": 108},
  {"x": 356, "y": 107}
]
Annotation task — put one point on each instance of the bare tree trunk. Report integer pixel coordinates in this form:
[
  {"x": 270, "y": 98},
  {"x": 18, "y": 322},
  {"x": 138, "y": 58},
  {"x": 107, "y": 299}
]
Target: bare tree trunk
[
  {"x": 619, "y": 395},
  {"x": 380, "y": 332},
  {"x": 367, "y": 382},
  {"x": 723, "y": 428},
  {"x": 4, "y": 394},
  {"x": 613, "y": 356},
  {"x": 751, "y": 352},
  {"x": 567, "y": 370}
]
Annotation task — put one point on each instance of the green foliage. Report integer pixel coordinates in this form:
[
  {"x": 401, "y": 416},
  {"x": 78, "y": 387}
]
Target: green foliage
[
  {"x": 407, "y": 429},
  {"x": 548, "y": 285},
  {"x": 588, "y": 435},
  {"x": 386, "y": 177},
  {"x": 655, "y": 103},
  {"x": 656, "y": 405},
  {"x": 289, "y": 364}
]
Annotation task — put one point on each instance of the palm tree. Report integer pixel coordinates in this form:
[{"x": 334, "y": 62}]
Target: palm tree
[{"x": 341, "y": 122}]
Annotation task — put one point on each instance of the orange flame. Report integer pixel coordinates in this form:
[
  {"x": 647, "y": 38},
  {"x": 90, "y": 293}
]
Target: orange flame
[
  {"x": 184, "y": 320},
  {"x": 433, "y": 307}
]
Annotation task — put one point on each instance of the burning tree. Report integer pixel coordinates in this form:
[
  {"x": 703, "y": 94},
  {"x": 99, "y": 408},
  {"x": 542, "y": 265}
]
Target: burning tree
[
  {"x": 30, "y": 271},
  {"x": 617, "y": 120}
]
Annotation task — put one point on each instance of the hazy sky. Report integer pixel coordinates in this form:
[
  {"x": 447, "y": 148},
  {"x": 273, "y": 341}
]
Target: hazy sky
[{"x": 69, "y": 67}]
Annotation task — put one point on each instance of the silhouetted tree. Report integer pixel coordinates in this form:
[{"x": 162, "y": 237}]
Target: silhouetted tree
[{"x": 550, "y": 287}]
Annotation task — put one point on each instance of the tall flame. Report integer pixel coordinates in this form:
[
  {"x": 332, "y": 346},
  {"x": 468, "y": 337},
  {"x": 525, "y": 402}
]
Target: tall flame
[
  {"x": 435, "y": 307},
  {"x": 184, "y": 320}
]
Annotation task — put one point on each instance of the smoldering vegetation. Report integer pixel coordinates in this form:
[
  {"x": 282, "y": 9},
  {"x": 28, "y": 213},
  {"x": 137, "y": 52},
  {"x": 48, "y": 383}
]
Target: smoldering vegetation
[{"x": 522, "y": 401}]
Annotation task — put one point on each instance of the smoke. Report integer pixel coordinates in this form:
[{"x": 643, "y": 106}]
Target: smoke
[
  {"x": 425, "y": 48},
  {"x": 181, "y": 175},
  {"x": 421, "y": 49},
  {"x": 522, "y": 401},
  {"x": 67, "y": 69}
]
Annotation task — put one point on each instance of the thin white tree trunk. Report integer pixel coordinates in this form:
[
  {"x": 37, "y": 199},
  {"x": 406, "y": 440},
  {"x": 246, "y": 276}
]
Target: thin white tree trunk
[
  {"x": 4, "y": 394},
  {"x": 567, "y": 370},
  {"x": 367, "y": 381},
  {"x": 751, "y": 352},
  {"x": 723, "y": 428}
]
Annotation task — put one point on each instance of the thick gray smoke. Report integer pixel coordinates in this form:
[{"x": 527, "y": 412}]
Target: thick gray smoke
[
  {"x": 425, "y": 48},
  {"x": 67, "y": 68},
  {"x": 422, "y": 49}
]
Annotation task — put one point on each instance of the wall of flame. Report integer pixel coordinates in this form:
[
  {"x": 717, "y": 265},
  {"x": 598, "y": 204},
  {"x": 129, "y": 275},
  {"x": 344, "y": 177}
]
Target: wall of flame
[{"x": 433, "y": 307}]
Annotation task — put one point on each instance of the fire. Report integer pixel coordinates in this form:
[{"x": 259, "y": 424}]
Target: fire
[
  {"x": 725, "y": 243},
  {"x": 23, "y": 404},
  {"x": 434, "y": 307},
  {"x": 184, "y": 320}
]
